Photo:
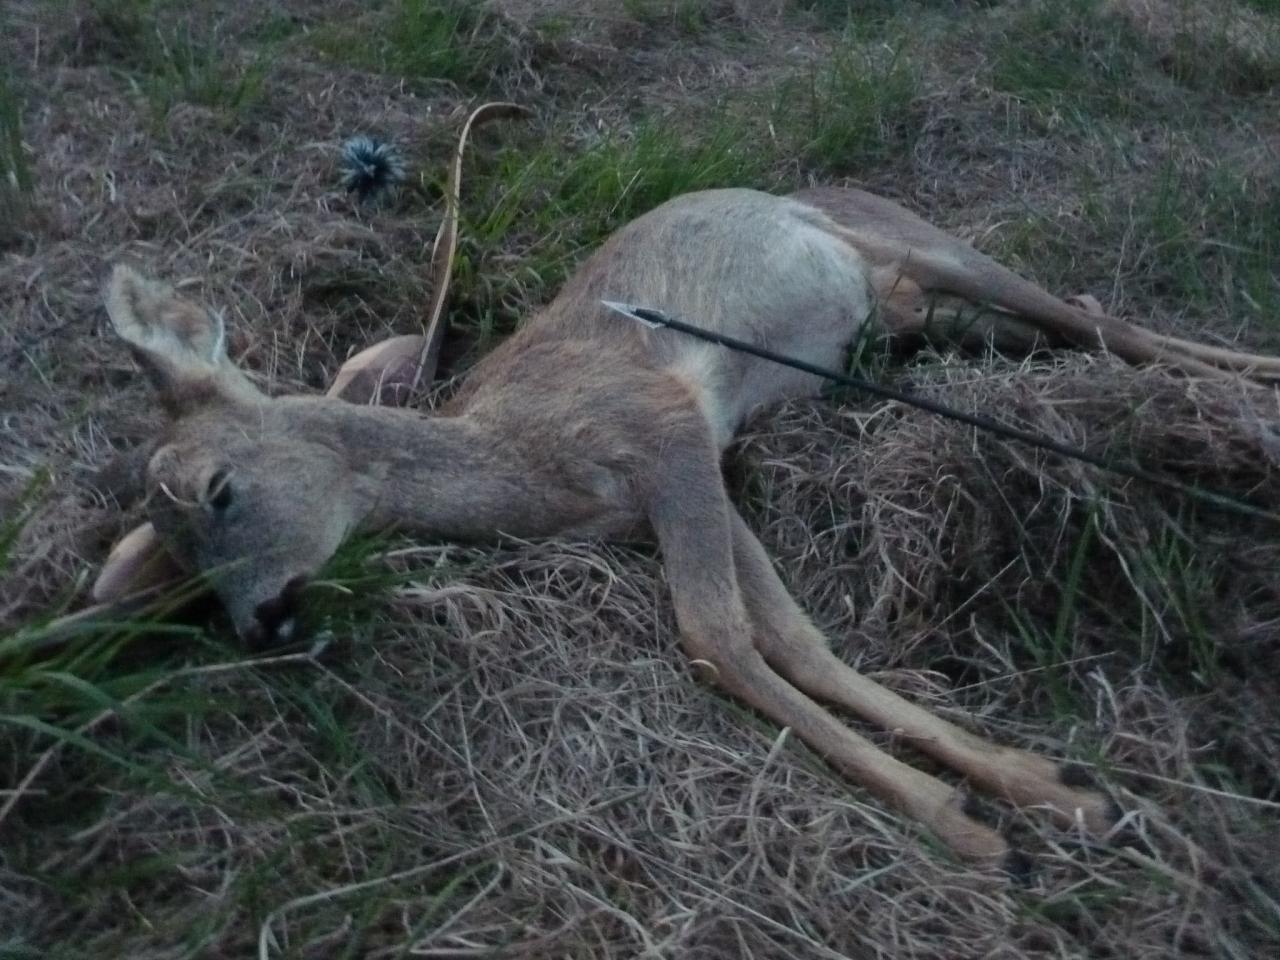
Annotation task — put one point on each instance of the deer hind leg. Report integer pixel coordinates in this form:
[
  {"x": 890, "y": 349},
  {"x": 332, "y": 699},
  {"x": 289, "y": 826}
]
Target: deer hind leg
[
  {"x": 1250, "y": 364},
  {"x": 893, "y": 238},
  {"x": 906, "y": 311},
  {"x": 791, "y": 644},
  {"x": 694, "y": 523}
]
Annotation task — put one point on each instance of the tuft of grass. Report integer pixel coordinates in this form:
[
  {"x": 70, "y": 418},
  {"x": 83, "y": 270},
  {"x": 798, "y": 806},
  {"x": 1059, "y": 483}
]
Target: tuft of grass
[
  {"x": 619, "y": 178},
  {"x": 1069, "y": 58},
  {"x": 116, "y": 31},
  {"x": 1214, "y": 50},
  {"x": 689, "y": 17},
  {"x": 439, "y": 38},
  {"x": 1051, "y": 645},
  {"x": 839, "y": 14},
  {"x": 854, "y": 110},
  {"x": 16, "y": 180},
  {"x": 424, "y": 39},
  {"x": 1197, "y": 232},
  {"x": 1083, "y": 60},
  {"x": 181, "y": 68},
  {"x": 1180, "y": 585},
  {"x": 275, "y": 28},
  {"x": 93, "y": 710},
  {"x": 1209, "y": 237},
  {"x": 56, "y": 692},
  {"x": 20, "y": 513},
  {"x": 168, "y": 58}
]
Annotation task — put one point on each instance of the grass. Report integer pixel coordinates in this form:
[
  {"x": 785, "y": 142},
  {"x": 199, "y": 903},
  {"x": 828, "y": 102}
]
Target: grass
[
  {"x": 1217, "y": 49},
  {"x": 1068, "y": 58},
  {"x": 182, "y": 69},
  {"x": 16, "y": 178},
  {"x": 1082, "y": 61},
  {"x": 430, "y": 38},
  {"x": 1165, "y": 613},
  {"x": 449, "y": 40},
  {"x": 558, "y": 199},
  {"x": 117, "y": 703},
  {"x": 853, "y": 110},
  {"x": 1214, "y": 230},
  {"x": 1199, "y": 233},
  {"x": 1179, "y": 582},
  {"x": 500, "y": 751},
  {"x": 690, "y": 17},
  {"x": 843, "y": 14},
  {"x": 171, "y": 59}
]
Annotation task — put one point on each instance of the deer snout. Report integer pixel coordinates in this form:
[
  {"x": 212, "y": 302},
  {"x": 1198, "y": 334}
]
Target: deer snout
[{"x": 275, "y": 621}]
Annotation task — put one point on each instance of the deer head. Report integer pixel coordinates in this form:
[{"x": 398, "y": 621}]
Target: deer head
[{"x": 239, "y": 486}]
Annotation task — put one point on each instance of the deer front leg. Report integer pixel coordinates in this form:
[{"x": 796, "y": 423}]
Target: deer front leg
[
  {"x": 789, "y": 641},
  {"x": 692, "y": 517}
]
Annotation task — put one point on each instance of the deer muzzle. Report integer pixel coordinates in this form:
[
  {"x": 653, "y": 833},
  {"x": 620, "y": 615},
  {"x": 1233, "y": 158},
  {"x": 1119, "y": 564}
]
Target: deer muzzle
[{"x": 275, "y": 621}]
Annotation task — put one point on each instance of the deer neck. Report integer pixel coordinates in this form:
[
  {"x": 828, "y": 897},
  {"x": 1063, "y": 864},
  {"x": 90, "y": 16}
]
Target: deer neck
[{"x": 453, "y": 477}]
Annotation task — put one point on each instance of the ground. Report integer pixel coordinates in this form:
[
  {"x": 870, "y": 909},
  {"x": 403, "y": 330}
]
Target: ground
[{"x": 503, "y": 752}]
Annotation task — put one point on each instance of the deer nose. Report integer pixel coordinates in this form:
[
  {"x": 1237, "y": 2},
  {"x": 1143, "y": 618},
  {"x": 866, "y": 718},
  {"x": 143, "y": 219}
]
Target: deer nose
[{"x": 275, "y": 621}]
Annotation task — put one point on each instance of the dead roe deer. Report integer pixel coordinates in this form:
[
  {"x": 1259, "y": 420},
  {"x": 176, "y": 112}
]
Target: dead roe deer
[{"x": 582, "y": 424}]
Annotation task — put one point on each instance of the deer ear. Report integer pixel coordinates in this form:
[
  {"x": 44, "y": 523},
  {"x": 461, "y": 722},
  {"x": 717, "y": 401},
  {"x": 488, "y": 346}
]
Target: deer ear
[
  {"x": 137, "y": 562},
  {"x": 180, "y": 344},
  {"x": 383, "y": 373}
]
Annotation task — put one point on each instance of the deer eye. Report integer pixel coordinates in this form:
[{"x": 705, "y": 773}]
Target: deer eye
[{"x": 218, "y": 495}]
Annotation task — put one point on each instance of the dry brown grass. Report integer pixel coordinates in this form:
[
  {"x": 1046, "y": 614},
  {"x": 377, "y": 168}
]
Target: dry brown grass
[
  {"x": 1226, "y": 37},
  {"x": 503, "y": 755}
]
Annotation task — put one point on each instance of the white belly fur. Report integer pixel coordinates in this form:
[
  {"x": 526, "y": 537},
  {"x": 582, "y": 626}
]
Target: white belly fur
[{"x": 785, "y": 284}]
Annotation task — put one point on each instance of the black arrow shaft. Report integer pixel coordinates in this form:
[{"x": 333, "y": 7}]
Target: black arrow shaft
[{"x": 981, "y": 421}]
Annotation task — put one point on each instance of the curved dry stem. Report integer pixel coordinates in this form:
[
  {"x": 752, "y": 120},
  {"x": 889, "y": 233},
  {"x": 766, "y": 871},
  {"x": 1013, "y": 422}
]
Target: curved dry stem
[{"x": 446, "y": 242}]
